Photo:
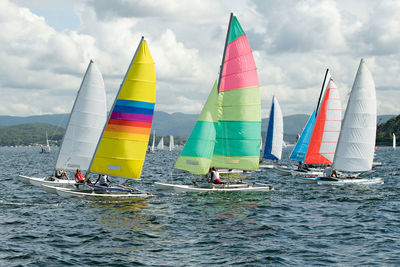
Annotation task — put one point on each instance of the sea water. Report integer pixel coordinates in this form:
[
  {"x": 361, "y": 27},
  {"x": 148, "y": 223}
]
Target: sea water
[{"x": 295, "y": 225}]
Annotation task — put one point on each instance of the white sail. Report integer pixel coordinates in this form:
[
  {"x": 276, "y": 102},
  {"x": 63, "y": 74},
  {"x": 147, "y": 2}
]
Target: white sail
[
  {"x": 394, "y": 141},
  {"x": 160, "y": 145},
  {"x": 86, "y": 122},
  {"x": 171, "y": 142},
  {"x": 153, "y": 143},
  {"x": 356, "y": 144},
  {"x": 47, "y": 143}
]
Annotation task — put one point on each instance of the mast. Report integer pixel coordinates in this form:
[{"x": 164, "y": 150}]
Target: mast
[
  {"x": 112, "y": 108},
  {"x": 322, "y": 90},
  {"x": 223, "y": 56},
  {"x": 73, "y": 106}
]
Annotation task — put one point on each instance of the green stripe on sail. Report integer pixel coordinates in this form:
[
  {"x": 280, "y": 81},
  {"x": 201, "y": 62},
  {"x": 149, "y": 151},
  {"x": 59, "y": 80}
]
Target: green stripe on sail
[
  {"x": 238, "y": 138},
  {"x": 240, "y": 104},
  {"x": 193, "y": 164},
  {"x": 201, "y": 141},
  {"x": 236, "y": 30},
  {"x": 242, "y": 163}
]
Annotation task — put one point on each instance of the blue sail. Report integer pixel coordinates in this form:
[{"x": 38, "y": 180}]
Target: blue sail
[
  {"x": 300, "y": 150},
  {"x": 274, "y": 139},
  {"x": 269, "y": 138}
]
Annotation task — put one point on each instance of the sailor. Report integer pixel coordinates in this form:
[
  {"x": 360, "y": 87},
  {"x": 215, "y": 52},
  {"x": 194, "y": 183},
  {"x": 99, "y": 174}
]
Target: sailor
[
  {"x": 329, "y": 172},
  {"x": 214, "y": 176},
  {"x": 61, "y": 174},
  {"x": 79, "y": 178},
  {"x": 103, "y": 179}
]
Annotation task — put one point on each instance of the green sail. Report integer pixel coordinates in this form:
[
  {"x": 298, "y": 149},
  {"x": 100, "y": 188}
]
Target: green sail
[{"x": 228, "y": 131}]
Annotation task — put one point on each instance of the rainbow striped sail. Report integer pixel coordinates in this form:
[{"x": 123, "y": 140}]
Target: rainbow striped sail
[
  {"x": 228, "y": 131},
  {"x": 122, "y": 148}
]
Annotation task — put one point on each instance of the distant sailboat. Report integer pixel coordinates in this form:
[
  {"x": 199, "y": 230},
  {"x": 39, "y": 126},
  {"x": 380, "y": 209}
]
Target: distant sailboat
[
  {"x": 274, "y": 139},
  {"x": 171, "y": 143},
  {"x": 160, "y": 145},
  {"x": 46, "y": 148},
  {"x": 86, "y": 121},
  {"x": 356, "y": 145},
  {"x": 153, "y": 142},
  {"x": 227, "y": 133},
  {"x": 394, "y": 141}
]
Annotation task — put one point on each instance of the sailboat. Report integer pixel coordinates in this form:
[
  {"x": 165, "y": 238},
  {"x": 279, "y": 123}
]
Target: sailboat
[
  {"x": 274, "y": 138},
  {"x": 394, "y": 141},
  {"x": 356, "y": 145},
  {"x": 46, "y": 149},
  {"x": 160, "y": 145},
  {"x": 121, "y": 149},
  {"x": 325, "y": 133},
  {"x": 171, "y": 143},
  {"x": 153, "y": 143},
  {"x": 227, "y": 133},
  {"x": 85, "y": 124}
]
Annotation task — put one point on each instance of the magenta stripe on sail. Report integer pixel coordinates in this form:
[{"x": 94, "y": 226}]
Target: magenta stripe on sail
[
  {"x": 239, "y": 69},
  {"x": 132, "y": 117}
]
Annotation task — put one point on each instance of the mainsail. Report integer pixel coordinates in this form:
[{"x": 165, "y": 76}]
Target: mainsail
[
  {"x": 274, "y": 139},
  {"x": 122, "y": 148},
  {"x": 356, "y": 144},
  {"x": 228, "y": 131},
  {"x": 85, "y": 123},
  {"x": 327, "y": 127}
]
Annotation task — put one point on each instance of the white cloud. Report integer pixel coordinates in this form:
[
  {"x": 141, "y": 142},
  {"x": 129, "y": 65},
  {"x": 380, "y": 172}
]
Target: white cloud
[{"x": 293, "y": 42}]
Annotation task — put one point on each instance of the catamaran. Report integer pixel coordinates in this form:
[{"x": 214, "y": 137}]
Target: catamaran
[
  {"x": 121, "y": 149},
  {"x": 394, "y": 141},
  {"x": 160, "y": 145},
  {"x": 227, "y": 133},
  {"x": 47, "y": 148},
  {"x": 85, "y": 123},
  {"x": 325, "y": 132},
  {"x": 274, "y": 138},
  {"x": 356, "y": 145}
]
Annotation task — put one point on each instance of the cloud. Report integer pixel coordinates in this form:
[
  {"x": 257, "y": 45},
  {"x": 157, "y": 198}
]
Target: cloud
[{"x": 293, "y": 43}]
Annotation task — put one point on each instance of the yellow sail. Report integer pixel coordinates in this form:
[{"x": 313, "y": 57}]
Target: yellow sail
[{"x": 122, "y": 148}]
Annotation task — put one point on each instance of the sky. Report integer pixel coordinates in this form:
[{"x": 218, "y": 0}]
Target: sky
[{"x": 46, "y": 46}]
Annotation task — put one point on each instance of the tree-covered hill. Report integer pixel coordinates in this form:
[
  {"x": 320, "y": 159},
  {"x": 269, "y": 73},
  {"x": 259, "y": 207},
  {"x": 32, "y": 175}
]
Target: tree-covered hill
[
  {"x": 29, "y": 134},
  {"x": 385, "y": 131}
]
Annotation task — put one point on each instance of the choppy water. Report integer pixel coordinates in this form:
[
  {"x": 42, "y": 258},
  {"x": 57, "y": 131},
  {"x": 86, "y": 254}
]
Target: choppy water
[{"x": 296, "y": 225}]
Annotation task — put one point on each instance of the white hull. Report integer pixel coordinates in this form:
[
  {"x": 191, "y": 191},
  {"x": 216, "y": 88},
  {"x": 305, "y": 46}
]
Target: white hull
[
  {"x": 97, "y": 195},
  {"x": 283, "y": 171},
  {"x": 266, "y": 166},
  {"x": 307, "y": 174},
  {"x": 42, "y": 181},
  {"x": 349, "y": 181},
  {"x": 306, "y": 180},
  {"x": 214, "y": 188}
]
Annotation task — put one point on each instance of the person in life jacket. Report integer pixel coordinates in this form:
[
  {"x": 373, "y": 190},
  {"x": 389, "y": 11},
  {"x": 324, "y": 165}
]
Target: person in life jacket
[
  {"x": 79, "y": 178},
  {"x": 213, "y": 175},
  {"x": 103, "y": 179}
]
